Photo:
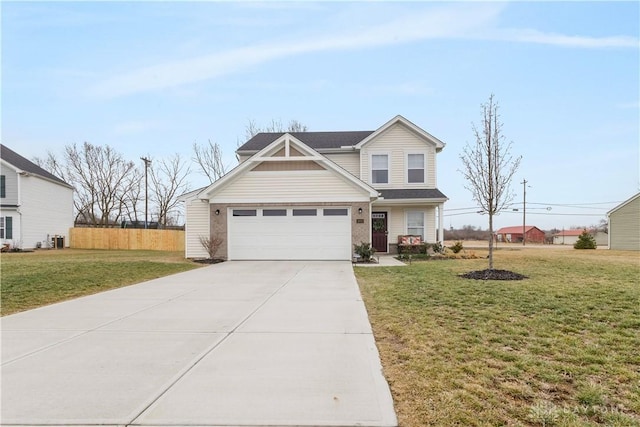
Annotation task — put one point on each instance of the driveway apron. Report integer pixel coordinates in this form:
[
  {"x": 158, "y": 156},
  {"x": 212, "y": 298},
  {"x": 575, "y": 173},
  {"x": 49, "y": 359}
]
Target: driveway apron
[{"x": 269, "y": 343}]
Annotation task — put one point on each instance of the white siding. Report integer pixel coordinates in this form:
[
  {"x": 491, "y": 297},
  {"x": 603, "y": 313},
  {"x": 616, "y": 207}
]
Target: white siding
[
  {"x": 347, "y": 161},
  {"x": 289, "y": 186},
  {"x": 11, "y": 184},
  {"x": 47, "y": 210},
  {"x": 197, "y": 224},
  {"x": 398, "y": 141}
]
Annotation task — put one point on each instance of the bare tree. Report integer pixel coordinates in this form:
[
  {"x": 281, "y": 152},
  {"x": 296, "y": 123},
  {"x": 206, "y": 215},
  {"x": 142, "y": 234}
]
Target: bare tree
[
  {"x": 99, "y": 175},
  {"x": 211, "y": 244},
  {"x": 252, "y": 129},
  {"x": 168, "y": 181},
  {"x": 489, "y": 167},
  {"x": 209, "y": 160}
]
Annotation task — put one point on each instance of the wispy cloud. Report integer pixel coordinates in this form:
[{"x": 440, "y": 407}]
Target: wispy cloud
[{"x": 458, "y": 21}]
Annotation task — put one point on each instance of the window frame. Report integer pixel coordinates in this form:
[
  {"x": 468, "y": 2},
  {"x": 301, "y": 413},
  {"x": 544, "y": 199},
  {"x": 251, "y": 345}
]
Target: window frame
[
  {"x": 424, "y": 224},
  {"x": 424, "y": 167},
  {"x": 2, "y": 227},
  {"x": 371, "y": 169}
]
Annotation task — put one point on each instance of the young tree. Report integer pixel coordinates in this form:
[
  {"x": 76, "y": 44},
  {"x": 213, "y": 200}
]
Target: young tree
[
  {"x": 209, "y": 160},
  {"x": 489, "y": 167}
]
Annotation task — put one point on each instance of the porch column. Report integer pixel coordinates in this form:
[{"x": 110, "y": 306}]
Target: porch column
[{"x": 440, "y": 223}]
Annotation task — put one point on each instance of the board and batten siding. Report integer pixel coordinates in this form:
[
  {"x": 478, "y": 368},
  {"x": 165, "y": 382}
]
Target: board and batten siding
[
  {"x": 46, "y": 210},
  {"x": 290, "y": 187},
  {"x": 397, "y": 142},
  {"x": 347, "y": 161},
  {"x": 198, "y": 224},
  {"x": 624, "y": 226}
]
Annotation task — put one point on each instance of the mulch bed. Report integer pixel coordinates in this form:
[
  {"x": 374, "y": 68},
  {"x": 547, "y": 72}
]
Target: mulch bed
[
  {"x": 208, "y": 260},
  {"x": 492, "y": 274}
]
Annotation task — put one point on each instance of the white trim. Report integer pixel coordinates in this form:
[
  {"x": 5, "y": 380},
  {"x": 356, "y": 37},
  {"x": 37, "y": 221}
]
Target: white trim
[
  {"x": 424, "y": 222},
  {"x": 264, "y": 155},
  {"x": 626, "y": 202},
  {"x": 417, "y": 130}
]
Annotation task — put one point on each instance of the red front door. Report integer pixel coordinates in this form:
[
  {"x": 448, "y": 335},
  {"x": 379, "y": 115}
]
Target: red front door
[{"x": 379, "y": 231}]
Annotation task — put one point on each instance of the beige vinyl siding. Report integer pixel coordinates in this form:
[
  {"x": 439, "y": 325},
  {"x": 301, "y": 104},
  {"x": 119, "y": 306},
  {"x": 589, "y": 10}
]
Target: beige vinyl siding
[
  {"x": 397, "y": 142},
  {"x": 347, "y": 161},
  {"x": 397, "y": 221},
  {"x": 624, "y": 226},
  {"x": 197, "y": 212},
  {"x": 11, "y": 185},
  {"x": 289, "y": 186}
]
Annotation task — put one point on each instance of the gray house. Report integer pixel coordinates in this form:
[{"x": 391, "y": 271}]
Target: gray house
[{"x": 624, "y": 225}]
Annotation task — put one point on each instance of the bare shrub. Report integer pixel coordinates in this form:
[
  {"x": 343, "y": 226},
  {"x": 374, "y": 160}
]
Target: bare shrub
[{"x": 211, "y": 244}]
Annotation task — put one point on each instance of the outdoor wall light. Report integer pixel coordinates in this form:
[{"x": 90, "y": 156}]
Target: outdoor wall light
[
  {"x": 217, "y": 211},
  {"x": 360, "y": 211}
]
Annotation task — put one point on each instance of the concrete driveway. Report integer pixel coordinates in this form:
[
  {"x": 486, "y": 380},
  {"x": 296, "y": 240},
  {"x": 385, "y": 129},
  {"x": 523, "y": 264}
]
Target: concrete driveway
[{"x": 233, "y": 344}]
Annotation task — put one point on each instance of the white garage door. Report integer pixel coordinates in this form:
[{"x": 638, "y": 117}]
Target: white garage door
[{"x": 289, "y": 233}]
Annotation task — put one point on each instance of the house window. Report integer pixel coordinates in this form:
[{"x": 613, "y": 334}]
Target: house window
[
  {"x": 305, "y": 212},
  {"x": 6, "y": 227},
  {"x": 244, "y": 212},
  {"x": 415, "y": 223},
  {"x": 3, "y": 188},
  {"x": 415, "y": 168},
  {"x": 379, "y": 169}
]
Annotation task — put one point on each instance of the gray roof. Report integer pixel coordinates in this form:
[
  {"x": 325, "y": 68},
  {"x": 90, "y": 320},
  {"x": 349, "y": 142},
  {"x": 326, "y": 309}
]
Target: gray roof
[
  {"x": 315, "y": 140},
  {"x": 21, "y": 163},
  {"x": 412, "y": 193}
]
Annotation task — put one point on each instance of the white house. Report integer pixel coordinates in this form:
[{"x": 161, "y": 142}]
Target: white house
[
  {"x": 36, "y": 207},
  {"x": 313, "y": 195}
]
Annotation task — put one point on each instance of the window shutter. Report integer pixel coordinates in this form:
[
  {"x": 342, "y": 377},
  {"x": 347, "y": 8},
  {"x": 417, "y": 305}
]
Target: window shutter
[
  {"x": 3, "y": 190},
  {"x": 8, "y": 227}
]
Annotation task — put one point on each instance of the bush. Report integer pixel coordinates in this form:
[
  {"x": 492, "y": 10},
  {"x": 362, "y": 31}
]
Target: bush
[
  {"x": 364, "y": 250},
  {"x": 585, "y": 241},
  {"x": 437, "y": 248},
  {"x": 456, "y": 247},
  {"x": 211, "y": 244}
]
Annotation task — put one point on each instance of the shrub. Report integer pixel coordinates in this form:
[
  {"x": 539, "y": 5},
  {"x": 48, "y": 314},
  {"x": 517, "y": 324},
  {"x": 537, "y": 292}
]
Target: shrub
[
  {"x": 437, "y": 248},
  {"x": 585, "y": 241},
  {"x": 364, "y": 250},
  {"x": 211, "y": 244},
  {"x": 456, "y": 247}
]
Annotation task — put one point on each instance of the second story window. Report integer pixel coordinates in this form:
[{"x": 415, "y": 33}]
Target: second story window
[
  {"x": 379, "y": 169},
  {"x": 415, "y": 168}
]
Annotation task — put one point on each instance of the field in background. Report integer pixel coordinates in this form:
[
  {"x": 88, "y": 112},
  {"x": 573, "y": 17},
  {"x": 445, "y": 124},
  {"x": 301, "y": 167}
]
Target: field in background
[
  {"x": 557, "y": 349},
  {"x": 33, "y": 279}
]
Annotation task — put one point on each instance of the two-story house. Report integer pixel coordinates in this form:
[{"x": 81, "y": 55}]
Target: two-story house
[
  {"x": 36, "y": 207},
  {"x": 313, "y": 195}
]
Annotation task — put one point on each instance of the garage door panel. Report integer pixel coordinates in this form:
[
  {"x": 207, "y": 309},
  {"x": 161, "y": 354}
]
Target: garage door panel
[{"x": 290, "y": 237}]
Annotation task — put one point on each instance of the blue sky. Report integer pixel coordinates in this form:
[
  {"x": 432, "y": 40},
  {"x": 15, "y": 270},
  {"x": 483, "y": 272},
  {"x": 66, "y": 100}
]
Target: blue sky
[{"x": 152, "y": 78}]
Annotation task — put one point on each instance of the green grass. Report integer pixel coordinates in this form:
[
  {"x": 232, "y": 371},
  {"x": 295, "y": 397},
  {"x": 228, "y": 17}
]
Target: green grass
[
  {"x": 561, "y": 348},
  {"x": 34, "y": 279}
]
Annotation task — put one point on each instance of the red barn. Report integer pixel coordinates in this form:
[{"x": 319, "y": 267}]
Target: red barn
[{"x": 514, "y": 234}]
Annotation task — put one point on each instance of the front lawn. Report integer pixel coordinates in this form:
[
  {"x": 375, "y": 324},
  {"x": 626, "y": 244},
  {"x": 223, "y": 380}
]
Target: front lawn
[
  {"x": 560, "y": 348},
  {"x": 33, "y": 279}
]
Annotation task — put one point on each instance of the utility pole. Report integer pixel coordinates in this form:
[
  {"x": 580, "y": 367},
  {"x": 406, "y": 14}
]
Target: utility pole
[
  {"x": 524, "y": 211},
  {"x": 147, "y": 162}
]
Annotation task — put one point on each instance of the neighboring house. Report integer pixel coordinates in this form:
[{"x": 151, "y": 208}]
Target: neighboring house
[
  {"x": 35, "y": 206},
  {"x": 313, "y": 195},
  {"x": 624, "y": 225},
  {"x": 570, "y": 237},
  {"x": 514, "y": 234}
]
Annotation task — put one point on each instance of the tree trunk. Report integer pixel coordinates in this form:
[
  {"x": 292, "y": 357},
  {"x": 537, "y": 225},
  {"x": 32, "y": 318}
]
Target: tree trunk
[{"x": 490, "y": 241}]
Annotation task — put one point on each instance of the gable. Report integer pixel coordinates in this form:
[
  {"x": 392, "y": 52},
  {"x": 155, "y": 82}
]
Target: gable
[
  {"x": 287, "y": 170},
  {"x": 409, "y": 128}
]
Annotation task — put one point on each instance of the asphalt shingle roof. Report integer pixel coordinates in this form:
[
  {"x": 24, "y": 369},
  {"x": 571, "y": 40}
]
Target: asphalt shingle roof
[
  {"x": 315, "y": 140},
  {"x": 412, "y": 193},
  {"x": 20, "y": 162}
]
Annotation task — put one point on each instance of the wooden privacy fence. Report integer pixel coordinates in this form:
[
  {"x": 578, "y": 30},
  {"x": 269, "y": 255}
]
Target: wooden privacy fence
[{"x": 126, "y": 238}]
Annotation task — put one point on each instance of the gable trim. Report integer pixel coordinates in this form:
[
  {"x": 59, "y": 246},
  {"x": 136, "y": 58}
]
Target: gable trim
[
  {"x": 265, "y": 155},
  {"x": 416, "y": 129}
]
